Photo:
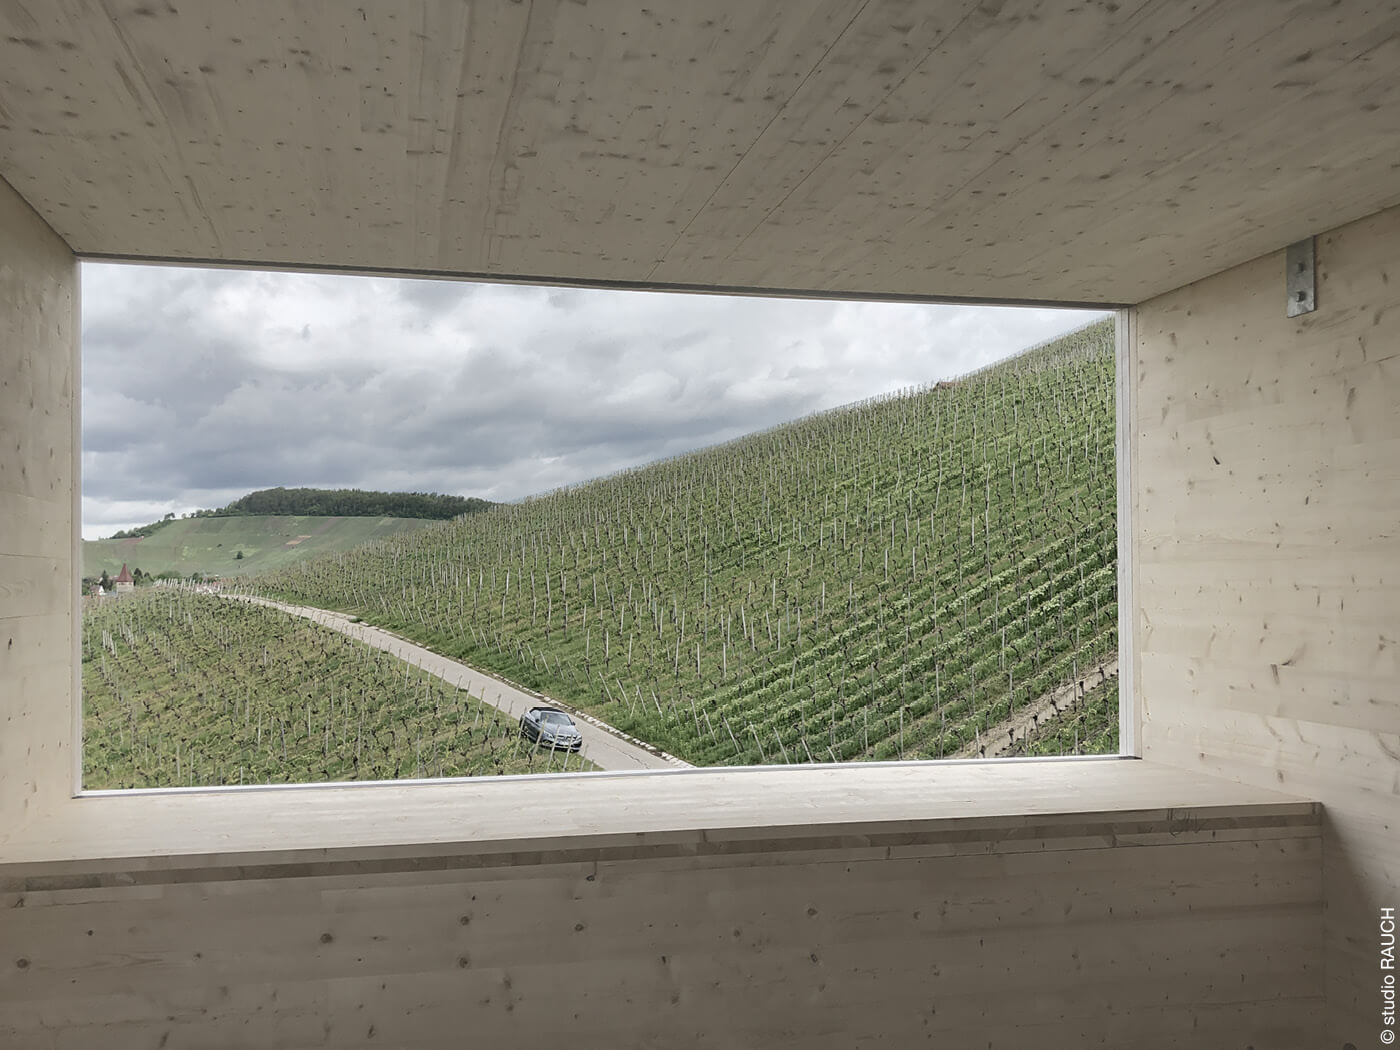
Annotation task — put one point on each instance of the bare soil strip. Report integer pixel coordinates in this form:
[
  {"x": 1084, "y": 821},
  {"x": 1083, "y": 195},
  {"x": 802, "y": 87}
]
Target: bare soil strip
[
  {"x": 603, "y": 745},
  {"x": 1006, "y": 734}
]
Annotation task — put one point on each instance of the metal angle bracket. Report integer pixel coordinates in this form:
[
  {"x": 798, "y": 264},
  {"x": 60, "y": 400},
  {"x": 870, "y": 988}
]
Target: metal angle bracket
[{"x": 1301, "y": 278}]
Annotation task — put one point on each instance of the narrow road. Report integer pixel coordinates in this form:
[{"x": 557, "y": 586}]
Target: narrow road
[{"x": 604, "y": 746}]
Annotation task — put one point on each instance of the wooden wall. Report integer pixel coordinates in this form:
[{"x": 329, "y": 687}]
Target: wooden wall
[
  {"x": 1144, "y": 930},
  {"x": 1267, "y": 522},
  {"x": 38, "y": 416},
  {"x": 1106, "y": 932}
]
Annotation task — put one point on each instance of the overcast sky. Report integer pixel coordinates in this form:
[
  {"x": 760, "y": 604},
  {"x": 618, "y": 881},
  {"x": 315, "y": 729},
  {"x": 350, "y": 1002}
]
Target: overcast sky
[{"x": 202, "y": 385}]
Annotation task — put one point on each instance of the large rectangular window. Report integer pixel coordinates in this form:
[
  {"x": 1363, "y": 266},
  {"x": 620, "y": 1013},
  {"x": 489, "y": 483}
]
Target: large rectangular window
[{"x": 353, "y": 528}]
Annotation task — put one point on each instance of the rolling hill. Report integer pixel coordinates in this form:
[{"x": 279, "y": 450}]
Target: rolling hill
[
  {"x": 210, "y": 545},
  {"x": 890, "y": 579}
]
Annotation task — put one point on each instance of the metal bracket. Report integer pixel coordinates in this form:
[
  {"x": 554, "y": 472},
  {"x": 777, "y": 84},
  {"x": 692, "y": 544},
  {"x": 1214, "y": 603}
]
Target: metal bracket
[{"x": 1301, "y": 278}]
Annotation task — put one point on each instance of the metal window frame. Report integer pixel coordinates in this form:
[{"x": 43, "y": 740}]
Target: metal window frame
[{"x": 1125, "y": 384}]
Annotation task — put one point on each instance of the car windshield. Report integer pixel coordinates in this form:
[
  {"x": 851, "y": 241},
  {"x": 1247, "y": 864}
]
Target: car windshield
[{"x": 557, "y": 717}]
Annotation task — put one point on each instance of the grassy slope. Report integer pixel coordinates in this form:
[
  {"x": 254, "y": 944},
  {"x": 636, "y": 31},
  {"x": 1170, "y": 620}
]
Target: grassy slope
[
  {"x": 864, "y": 584},
  {"x": 182, "y": 688},
  {"x": 208, "y": 545}
]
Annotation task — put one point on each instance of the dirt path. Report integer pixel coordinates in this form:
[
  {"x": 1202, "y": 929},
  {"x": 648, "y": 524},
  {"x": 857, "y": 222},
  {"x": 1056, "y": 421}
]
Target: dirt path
[
  {"x": 604, "y": 746},
  {"x": 1005, "y": 734}
]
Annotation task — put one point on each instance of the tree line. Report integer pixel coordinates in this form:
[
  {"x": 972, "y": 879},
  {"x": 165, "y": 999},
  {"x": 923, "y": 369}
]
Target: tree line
[
  {"x": 351, "y": 503},
  {"x": 344, "y": 503}
]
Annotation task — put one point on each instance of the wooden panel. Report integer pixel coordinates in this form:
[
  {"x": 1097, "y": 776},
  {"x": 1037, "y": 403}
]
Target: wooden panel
[
  {"x": 1097, "y": 152},
  {"x": 1058, "y": 942},
  {"x": 1108, "y": 900},
  {"x": 36, "y": 674},
  {"x": 34, "y": 586},
  {"x": 38, "y": 359},
  {"x": 1266, "y": 511},
  {"x": 35, "y": 527},
  {"x": 687, "y": 813}
]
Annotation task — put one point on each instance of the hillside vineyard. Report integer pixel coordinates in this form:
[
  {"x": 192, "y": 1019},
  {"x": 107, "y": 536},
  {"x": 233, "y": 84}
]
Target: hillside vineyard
[
  {"x": 182, "y": 688},
  {"x": 887, "y": 580}
]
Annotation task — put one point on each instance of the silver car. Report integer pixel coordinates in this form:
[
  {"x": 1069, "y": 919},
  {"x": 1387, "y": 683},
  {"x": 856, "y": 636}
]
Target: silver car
[{"x": 552, "y": 728}]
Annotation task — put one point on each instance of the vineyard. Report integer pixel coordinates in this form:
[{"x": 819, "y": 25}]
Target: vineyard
[
  {"x": 212, "y": 545},
  {"x": 887, "y": 580},
  {"x": 182, "y": 688},
  {"x": 1090, "y": 727}
]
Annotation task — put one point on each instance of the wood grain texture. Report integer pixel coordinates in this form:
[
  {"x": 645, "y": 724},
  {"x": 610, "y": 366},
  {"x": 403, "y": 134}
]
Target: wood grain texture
[
  {"x": 690, "y": 811},
  {"x": 1267, "y": 513},
  {"x": 1099, "y": 152},
  {"x": 38, "y": 356},
  {"x": 1059, "y": 940}
]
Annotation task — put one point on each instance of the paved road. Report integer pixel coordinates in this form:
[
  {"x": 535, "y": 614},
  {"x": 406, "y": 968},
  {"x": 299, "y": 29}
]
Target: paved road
[{"x": 604, "y": 746}]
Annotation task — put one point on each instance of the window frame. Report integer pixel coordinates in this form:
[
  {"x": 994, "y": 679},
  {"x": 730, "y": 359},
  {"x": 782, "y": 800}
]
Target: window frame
[{"x": 1129, "y": 706}]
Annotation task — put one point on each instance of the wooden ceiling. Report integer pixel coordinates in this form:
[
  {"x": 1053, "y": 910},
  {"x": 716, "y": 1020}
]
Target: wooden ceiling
[{"x": 1088, "y": 152}]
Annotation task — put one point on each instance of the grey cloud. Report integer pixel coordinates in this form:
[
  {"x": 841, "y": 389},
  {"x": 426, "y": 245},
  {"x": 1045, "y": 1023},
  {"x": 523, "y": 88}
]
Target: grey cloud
[
  {"x": 201, "y": 385},
  {"x": 432, "y": 299}
]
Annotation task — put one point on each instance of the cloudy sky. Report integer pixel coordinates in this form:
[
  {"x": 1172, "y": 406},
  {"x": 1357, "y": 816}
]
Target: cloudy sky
[{"x": 202, "y": 385}]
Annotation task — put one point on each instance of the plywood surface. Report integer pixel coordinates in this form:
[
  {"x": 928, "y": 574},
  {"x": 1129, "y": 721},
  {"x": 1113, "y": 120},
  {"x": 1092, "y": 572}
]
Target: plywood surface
[
  {"x": 678, "y": 814},
  {"x": 1267, "y": 513},
  {"x": 1142, "y": 931},
  {"x": 1100, "y": 152},
  {"x": 38, "y": 333}
]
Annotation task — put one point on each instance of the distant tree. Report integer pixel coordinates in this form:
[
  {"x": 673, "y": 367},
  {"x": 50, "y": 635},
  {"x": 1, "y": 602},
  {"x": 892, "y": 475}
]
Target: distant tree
[
  {"x": 142, "y": 530},
  {"x": 105, "y": 580},
  {"x": 238, "y": 556},
  {"x": 354, "y": 503}
]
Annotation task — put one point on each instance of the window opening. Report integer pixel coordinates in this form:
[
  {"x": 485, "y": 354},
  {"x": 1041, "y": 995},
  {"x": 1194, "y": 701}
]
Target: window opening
[{"x": 354, "y": 528}]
